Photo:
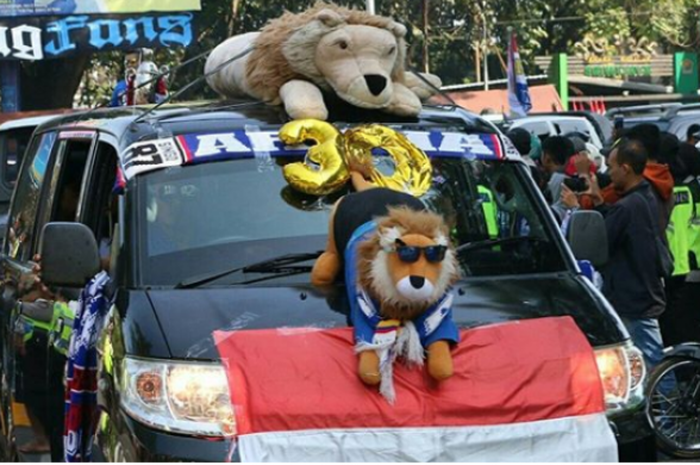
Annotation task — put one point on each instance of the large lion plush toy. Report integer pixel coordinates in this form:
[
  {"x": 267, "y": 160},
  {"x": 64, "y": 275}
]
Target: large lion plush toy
[
  {"x": 294, "y": 58},
  {"x": 398, "y": 271}
]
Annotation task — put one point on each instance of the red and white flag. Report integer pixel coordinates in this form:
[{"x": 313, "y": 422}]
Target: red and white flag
[{"x": 521, "y": 391}]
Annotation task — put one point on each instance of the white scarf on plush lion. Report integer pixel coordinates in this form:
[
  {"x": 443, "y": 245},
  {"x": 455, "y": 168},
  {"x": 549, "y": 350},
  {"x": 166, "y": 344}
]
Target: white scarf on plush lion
[{"x": 397, "y": 342}]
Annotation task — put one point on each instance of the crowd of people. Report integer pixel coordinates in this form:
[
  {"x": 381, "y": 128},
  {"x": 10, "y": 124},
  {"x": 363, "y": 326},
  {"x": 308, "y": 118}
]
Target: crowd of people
[{"x": 645, "y": 183}]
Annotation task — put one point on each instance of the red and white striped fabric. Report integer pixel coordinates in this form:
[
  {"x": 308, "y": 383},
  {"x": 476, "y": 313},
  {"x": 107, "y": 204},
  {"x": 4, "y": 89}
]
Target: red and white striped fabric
[{"x": 522, "y": 391}]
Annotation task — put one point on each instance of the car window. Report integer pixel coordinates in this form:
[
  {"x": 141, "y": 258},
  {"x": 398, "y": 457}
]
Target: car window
[
  {"x": 67, "y": 180},
  {"x": 203, "y": 218},
  {"x": 21, "y": 227},
  {"x": 541, "y": 129},
  {"x": 100, "y": 205},
  {"x": 573, "y": 125}
]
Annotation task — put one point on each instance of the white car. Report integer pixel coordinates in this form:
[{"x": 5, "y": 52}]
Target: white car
[{"x": 553, "y": 125}]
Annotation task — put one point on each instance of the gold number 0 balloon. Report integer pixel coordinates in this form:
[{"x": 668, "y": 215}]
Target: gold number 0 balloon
[
  {"x": 412, "y": 169},
  {"x": 328, "y": 172}
]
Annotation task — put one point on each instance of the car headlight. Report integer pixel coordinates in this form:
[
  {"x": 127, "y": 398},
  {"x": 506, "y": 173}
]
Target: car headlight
[
  {"x": 622, "y": 372},
  {"x": 187, "y": 398}
]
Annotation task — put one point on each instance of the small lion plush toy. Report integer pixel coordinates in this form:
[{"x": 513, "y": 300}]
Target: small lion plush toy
[
  {"x": 398, "y": 272},
  {"x": 358, "y": 56}
]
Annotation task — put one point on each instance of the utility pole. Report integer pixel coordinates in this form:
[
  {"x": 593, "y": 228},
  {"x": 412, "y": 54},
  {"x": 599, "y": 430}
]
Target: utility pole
[
  {"x": 426, "y": 58},
  {"x": 370, "y": 7},
  {"x": 486, "y": 49}
]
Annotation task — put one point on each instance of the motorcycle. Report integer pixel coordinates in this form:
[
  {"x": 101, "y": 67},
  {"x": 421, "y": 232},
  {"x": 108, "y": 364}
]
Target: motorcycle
[{"x": 673, "y": 407}]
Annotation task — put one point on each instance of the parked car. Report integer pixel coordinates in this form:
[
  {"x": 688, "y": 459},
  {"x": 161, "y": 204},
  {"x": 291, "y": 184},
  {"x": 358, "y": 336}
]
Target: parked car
[
  {"x": 188, "y": 224},
  {"x": 675, "y": 118},
  {"x": 638, "y": 114},
  {"x": 556, "y": 124},
  {"x": 678, "y": 120}
]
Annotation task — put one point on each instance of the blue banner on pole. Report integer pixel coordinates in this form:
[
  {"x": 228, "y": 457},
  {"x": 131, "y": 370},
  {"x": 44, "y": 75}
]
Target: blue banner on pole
[{"x": 518, "y": 94}]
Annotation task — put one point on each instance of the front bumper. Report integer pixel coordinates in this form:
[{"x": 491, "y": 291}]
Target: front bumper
[
  {"x": 635, "y": 439},
  {"x": 128, "y": 440}
]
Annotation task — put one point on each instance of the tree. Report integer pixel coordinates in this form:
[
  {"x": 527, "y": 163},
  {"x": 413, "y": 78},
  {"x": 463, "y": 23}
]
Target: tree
[
  {"x": 446, "y": 46},
  {"x": 50, "y": 84}
]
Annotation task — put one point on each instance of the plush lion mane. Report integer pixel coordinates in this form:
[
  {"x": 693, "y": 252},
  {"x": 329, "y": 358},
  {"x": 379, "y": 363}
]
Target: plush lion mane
[
  {"x": 407, "y": 221},
  {"x": 268, "y": 69}
]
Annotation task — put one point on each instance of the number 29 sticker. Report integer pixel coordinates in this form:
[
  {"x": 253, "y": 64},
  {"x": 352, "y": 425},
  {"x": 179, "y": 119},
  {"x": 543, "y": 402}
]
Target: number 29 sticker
[{"x": 150, "y": 155}]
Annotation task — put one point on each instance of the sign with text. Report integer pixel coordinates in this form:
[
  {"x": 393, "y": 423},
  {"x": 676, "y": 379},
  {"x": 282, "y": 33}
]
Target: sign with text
[
  {"x": 34, "y": 39},
  {"x": 625, "y": 67},
  {"x": 14, "y": 8}
]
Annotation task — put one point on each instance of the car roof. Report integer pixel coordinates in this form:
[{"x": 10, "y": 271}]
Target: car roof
[
  {"x": 658, "y": 109},
  {"x": 27, "y": 122},
  {"x": 548, "y": 117},
  {"x": 133, "y": 124}
]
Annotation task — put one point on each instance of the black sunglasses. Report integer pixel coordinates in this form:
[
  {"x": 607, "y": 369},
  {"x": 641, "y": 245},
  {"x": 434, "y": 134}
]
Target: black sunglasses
[{"x": 411, "y": 254}]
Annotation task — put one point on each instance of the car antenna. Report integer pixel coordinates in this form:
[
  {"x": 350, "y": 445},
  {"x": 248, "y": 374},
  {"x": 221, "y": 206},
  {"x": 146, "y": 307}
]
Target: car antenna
[
  {"x": 434, "y": 87},
  {"x": 191, "y": 84}
]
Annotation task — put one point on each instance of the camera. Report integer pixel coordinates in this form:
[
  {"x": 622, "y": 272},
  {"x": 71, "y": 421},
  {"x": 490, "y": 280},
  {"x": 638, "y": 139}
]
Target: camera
[{"x": 576, "y": 184}]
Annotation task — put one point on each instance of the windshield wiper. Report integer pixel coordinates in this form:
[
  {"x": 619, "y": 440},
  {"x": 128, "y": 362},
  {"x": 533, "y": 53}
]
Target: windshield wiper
[
  {"x": 273, "y": 265},
  {"x": 469, "y": 246},
  {"x": 279, "y": 264}
]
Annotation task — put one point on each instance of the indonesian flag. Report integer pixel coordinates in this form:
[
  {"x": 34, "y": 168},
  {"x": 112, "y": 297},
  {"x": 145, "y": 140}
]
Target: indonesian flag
[{"x": 521, "y": 391}]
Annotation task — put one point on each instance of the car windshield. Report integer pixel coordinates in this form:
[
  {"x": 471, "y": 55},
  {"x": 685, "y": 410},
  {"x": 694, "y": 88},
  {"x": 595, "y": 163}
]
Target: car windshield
[{"x": 201, "y": 219}]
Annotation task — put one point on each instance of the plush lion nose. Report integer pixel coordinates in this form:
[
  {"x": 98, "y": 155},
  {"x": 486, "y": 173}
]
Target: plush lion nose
[
  {"x": 417, "y": 281},
  {"x": 375, "y": 83}
]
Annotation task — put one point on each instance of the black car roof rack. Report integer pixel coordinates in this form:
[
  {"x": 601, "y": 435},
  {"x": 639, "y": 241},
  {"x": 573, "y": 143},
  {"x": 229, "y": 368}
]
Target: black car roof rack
[
  {"x": 679, "y": 110},
  {"x": 640, "y": 110}
]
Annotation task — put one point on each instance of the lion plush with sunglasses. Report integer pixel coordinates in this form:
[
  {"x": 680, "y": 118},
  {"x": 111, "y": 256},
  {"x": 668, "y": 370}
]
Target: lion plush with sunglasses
[{"x": 398, "y": 271}]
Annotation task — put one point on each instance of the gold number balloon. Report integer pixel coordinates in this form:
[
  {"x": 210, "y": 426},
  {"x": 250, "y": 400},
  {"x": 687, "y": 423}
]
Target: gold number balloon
[
  {"x": 412, "y": 169},
  {"x": 326, "y": 171}
]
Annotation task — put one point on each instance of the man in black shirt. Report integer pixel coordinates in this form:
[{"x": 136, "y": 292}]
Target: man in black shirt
[{"x": 634, "y": 274}]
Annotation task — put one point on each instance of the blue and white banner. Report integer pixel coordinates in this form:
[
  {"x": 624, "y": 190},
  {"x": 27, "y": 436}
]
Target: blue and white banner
[
  {"x": 518, "y": 95},
  {"x": 203, "y": 148}
]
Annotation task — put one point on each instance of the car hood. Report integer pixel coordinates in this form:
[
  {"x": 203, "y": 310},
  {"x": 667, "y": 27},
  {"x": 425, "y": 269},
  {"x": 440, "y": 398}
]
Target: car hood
[{"x": 188, "y": 318}]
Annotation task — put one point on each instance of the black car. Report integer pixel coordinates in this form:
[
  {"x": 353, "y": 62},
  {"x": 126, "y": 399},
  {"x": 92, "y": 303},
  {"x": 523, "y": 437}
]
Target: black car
[{"x": 177, "y": 237}]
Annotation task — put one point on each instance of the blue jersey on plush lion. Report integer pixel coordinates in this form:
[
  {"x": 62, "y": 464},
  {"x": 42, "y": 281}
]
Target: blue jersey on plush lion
[{"x": 358, "y": 56}]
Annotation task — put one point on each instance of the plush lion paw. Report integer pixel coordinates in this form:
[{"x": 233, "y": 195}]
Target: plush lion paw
[
  {"x": 303, "y": 100},
  {"x": 369, "y": 368},
  {"x": 325, "y": 269},
  {"x": 419, "y": 87},
  {"x": 404, "y": 102},
  {"x": 440, "y": 361}
]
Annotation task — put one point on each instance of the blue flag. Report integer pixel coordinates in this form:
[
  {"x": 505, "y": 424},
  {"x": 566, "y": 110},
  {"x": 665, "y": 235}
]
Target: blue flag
[{"x": 518, "y": 95}]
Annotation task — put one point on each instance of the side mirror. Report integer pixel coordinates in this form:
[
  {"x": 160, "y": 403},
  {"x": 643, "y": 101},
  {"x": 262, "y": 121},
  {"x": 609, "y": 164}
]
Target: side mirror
[
  {"x": 69, "y": 254},
  {"x": 588, "y": 237}
]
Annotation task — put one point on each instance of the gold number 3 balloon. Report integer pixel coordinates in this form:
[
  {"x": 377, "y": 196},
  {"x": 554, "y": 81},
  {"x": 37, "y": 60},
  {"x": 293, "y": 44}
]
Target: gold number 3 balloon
[
  {"x": 334, "y": 152},
  {"x": 327, "y": 171}
]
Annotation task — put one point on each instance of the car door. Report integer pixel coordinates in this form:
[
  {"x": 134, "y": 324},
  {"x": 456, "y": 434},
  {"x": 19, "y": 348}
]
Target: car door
[
  {"x": 16, "y": 252},
  {"x": 49, "y": 189}
]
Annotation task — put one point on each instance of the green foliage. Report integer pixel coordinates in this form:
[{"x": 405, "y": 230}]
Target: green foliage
[{"x": 455, "y": 30}]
